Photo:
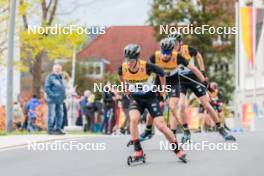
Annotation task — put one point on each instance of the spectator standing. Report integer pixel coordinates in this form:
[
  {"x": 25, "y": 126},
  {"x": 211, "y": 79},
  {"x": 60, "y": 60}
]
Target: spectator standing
[
  {"x": 25, "y": 112},
  {"x": 32, "y": 115},
  {"x": 99, "y": 113},
  {"x": 88, "y": 108},
  {"x": 69, "y": 89},
  {"x": 42, "y": 114},
  {"x": 109, "y": 107},
  {"x": 18, "y": 115},
  {"x": 73, "y": 107},
  {"x": 55, "y": 91}
]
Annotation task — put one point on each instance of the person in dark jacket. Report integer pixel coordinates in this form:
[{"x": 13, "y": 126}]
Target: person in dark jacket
[
  {"x": 25, "y": 112},
  {"x": 55, "y": 91},
  {"x": 109, "y": 109},
  {"x": 88, "y": 108},
  {"x": 32, "y": 115},
  {"x": 125, "y": 107}
]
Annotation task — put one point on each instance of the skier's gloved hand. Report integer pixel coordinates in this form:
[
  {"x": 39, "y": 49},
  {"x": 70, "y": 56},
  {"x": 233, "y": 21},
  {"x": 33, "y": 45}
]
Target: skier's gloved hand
[
  {"x": 208, "y": 86},
  {"x": 181, "y": 68},
  {"x": 205, "y": 83}
]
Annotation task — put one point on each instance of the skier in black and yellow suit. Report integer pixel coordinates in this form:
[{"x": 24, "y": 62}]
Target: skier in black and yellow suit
[
  {"x": 181, "y": 80},
  {"x": 189, "y": 53},
  {"x": 136, "y": 74},
  {"x": 167, "y": 59}
]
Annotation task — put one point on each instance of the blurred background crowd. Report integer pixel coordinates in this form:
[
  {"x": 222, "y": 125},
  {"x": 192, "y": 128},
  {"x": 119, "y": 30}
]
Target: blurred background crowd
[{"x": 107, "y": 115}]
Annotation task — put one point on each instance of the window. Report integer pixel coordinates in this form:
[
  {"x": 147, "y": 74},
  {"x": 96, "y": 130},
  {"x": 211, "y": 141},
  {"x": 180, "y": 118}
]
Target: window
[
  {"x": 221, "y": 67},
  {"x": 90, "y": 69},
  {"x": 93, "y": 68},
  {"x": 97, "y": 69}
]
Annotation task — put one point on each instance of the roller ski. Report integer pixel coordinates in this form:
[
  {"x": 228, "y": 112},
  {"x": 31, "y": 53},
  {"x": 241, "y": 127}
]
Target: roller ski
[
  {"x": 226, "y": 136},
  {"x": 181, "y": 155},
  {"x": 179, "y": 152},
  {"x": 139, "y": 156},
  {"x": 146, "y": 135}
]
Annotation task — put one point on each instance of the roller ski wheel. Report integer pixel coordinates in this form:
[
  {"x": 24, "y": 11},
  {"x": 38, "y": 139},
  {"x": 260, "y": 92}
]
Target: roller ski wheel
[
  {"x": 182, "y": 156},
  {"x": 129, "y": 160},
  {"x": 136, "y": 159},
  {"x": 229, "y": 138}
]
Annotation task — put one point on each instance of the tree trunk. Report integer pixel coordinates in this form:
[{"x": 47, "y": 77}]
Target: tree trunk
[{"x": 36, "y": 74}]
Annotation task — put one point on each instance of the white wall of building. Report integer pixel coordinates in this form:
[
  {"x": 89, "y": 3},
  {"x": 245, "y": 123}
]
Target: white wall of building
[
  {"x": 3, "y": 71},
  {"x": 250, "y": 88},
  {"x": 3, "y": 80}
]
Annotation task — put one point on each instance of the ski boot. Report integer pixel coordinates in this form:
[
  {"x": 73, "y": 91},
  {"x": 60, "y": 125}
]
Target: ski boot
[
  {"x": 147, "y": 134},
  {"x": 186, "y": 136},
  {"x": 226, "y": 136},
  {"x": 130, "y": 142},
  {"x": 137, "y": 157},
  {"x": 122, "y": 131}
]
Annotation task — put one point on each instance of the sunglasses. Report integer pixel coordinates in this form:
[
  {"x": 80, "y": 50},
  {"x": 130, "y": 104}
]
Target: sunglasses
[{"x": 166, "y": 52}]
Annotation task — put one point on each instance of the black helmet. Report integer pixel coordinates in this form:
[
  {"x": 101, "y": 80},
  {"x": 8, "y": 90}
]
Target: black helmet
[
  {"x": 132, "y": 51},
  {"x": 176, "y": 36},
  {"x": 167, "y": 44}
]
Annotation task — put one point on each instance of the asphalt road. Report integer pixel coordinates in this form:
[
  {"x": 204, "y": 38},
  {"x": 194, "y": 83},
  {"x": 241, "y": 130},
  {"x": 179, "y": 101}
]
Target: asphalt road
[{"x": 248, "y": 159}]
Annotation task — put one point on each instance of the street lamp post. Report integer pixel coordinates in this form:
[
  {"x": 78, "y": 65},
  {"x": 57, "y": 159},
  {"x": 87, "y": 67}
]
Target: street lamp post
[{"x": 10, "y": 56}]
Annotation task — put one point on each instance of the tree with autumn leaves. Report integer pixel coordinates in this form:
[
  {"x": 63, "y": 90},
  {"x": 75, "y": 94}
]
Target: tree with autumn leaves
[
  {"x": 3, "y": 31},
  {"x": 218, "y": 50},
  {"x": 35, "y": 47}
]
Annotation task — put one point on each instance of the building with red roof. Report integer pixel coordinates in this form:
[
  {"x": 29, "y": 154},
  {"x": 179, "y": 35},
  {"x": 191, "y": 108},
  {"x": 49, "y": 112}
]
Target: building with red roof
[{"x": 105, "y": 52}]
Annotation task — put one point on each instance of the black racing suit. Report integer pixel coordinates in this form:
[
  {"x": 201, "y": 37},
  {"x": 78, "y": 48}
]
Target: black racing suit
[{"x": 145, "y": 100}]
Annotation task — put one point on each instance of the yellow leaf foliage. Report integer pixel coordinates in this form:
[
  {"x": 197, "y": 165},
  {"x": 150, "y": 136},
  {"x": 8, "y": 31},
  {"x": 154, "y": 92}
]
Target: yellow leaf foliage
[
  {"x": 22, "y": 9},
  {"x": 56, "y": 46},
  {"x": 3, "y": 3}
]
